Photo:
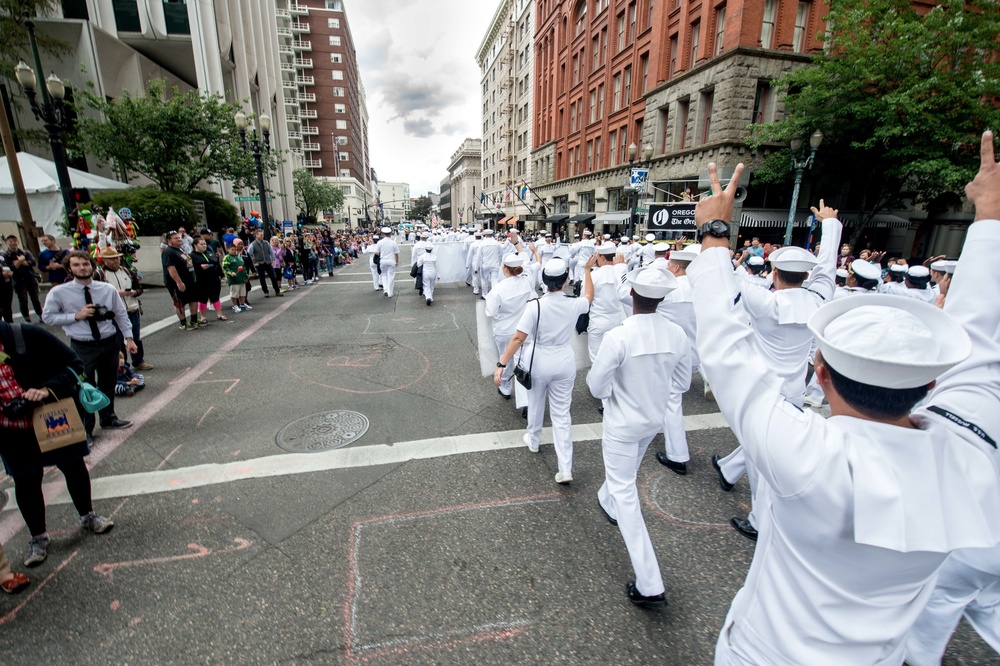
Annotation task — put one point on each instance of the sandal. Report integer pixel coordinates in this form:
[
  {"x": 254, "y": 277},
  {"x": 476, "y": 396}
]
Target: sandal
[
  {"x": 223, "y": 318},
  {"x": 16, "y": 583}
]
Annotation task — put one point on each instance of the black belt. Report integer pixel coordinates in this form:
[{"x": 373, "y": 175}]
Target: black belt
[{"x": 94, "y": 343}]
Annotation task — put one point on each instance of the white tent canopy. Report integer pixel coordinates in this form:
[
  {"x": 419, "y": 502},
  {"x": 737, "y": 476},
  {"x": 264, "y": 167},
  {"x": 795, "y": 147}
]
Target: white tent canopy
[{"x": 42, "y": 186}]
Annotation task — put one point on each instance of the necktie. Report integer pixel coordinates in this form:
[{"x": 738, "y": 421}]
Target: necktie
[{"x": 90, "y": 320}]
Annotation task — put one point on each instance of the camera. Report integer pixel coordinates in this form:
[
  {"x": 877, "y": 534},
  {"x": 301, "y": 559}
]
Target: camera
[
  {"x": 18, "y": 408},
  {"x": 102, "y": 313}
]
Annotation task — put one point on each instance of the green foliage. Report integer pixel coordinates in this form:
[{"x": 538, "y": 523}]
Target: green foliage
[
  {"x": 421, "y": 208},
  {"x": 314, "y": 194},
  {"x": 220, "y": 213},
  {"x": 901, "y": 99},
  {"x": 14, "y": 37},
  {"x": 154, "y": 211},
  {"x": 175, "y": 139}
]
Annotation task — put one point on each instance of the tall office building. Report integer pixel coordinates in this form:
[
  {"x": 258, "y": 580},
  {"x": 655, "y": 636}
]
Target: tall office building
[
  {"x": 465, "y": 179},
  {"x": 505, "y": 60}
]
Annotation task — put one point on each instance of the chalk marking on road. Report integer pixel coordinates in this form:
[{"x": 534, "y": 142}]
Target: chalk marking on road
[
  {"x": 107, "y": 569},
  {"x": 290, "y": 464},
  {"x": 426, "y": 328},
  {"x": 649, "y": 495},
  {"x": 110, "y": 441},
  {"x": 178, "y": 377},
  {"x": 203, "y": 417},
  {"x": 37, "y": 588},
  {"x": 423, "y": 373},
  {"x": 474, "y": 634}
]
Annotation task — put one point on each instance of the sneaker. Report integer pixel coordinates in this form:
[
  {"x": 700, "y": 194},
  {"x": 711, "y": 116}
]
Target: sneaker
[
  {"x": 192, "y": 327},
  {"x": 563, "y": 477},
  {"x": 95, "y": 523},
  {"x": 183, "y": 326},
  {"x": 202, "y": 322},
  {"x": 144, "y": 366},
  {"x": 247, "y": 307},
  {"x": 527, "y": 442},
  {"x": 236, "y": 308},
  {"x": 38, "y": 550}
]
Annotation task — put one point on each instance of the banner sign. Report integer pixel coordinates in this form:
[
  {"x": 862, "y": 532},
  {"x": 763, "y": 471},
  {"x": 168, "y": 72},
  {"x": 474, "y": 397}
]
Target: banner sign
[
  {"x": 675, "y": 216},
  {"x": 637, "y": 178}
]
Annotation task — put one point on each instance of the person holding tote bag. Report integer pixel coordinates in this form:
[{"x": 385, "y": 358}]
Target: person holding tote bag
[{"x": 36, "y": 367}]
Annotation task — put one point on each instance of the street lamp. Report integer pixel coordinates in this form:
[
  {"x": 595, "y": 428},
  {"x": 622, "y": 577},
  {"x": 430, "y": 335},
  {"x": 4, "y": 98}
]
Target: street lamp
[
  {"x": 256, "y": 146},
  {"x": 50, "y": 111},
  {"x": 647, "y": 157},
  {"x": 800, "y": 163}
]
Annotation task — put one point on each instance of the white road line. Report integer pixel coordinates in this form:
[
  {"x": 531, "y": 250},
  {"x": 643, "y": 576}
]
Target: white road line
[{"x": 288, "y": 464}]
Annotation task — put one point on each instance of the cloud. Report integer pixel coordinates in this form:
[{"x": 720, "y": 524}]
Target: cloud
[
  {"x": 451, "y": 129},
  {"x": 375, "y": 50},
  {"x": 422, "y": 128},
  {"x": 407, "y": 95}
]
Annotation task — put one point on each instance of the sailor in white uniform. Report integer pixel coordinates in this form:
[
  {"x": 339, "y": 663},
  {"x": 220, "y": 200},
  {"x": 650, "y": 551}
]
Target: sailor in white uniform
[
  {"x": 472, "y": 261},
  {"x": 647, "y": 253},
  {"x": 388, "y": 253},
  {"x": 490, "y": 254},
  {"x": 639, "y": 363},
  {"x": 917, "y": 285},
  {"x": 504, "y": 306},
  {"x": 941, "y": 270},
  {"x": 550, "y": 321},
  {"x": 865, "y": 506},
  {"x": 606, "y": 312},
  {"x": 467, "y": 242},
  {"x": 752, "y": 270},
  {"x": 371, "y": 249},
  {"x": 893, "y": 282},
  {"x": 427, "y": 263}
]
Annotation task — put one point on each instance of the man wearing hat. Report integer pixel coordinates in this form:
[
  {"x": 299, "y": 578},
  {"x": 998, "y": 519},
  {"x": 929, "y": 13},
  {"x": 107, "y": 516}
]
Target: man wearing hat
[
  {"x": 606, "y": 311},
  {"x": 489, "y": 262},
  {"x": 129, "y": 287},
  {"x": 779, "y": 320},
  {"x": 863, "y": 277},
  {"x": 647, "y": 253},
  {"x": 941, "y": 271},
  {"x": 422, "y": 242},
  {"x": 893, "y": 280},
  {"x": 916, "y": 284},
  {"x": 750, "y": 267},
  {"x": 388, "y": 254},
  {"x": 864, "y": 507},
  {"x": 639, "y": 362},
  {"x": 469, "y": 274}
]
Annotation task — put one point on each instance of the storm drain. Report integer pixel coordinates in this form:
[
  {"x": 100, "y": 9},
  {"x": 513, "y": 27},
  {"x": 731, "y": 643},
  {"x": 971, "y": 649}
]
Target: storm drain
[{"x": 322, "y": 432}]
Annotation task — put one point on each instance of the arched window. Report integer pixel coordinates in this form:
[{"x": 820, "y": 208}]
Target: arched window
[{"x": 581, "y": 18}]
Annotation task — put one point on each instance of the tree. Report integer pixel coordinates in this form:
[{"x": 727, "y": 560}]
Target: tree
[
  {"x": 175, "y": 139},
  {"x": 314, "y": 194},
  {"x": 14, "y": 36},
  {"x": 421, "y": 208},
  {"x": 901, "y": 97}
]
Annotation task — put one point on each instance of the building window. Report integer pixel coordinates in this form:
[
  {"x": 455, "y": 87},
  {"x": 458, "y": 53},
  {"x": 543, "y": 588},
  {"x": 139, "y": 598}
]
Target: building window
[
  {"x": 572, "y": 117},
  {"x": 333, "y": 23},
  {"x": 623, "y": 143},
  {"x": 576, "y": 70},
  {"x": 341, "y": 140},
  {"x": 720, "y": 28},
  {"x": 600, "y": 101},
  {"x": 336, "y": 58},
  {"x": 673, "y": 57},
  {"x": 334, "y": 5},
  {"x": 345, "y": 173},
  {"x": 617, "y": 95},
  {"x": 347, "y": 189},
  {"x": 695, "y": 39},
  {"x": 339, "y": 108},
  {"x": 586, "y": 200},
  {"x": 662, "y": 129},
  {"x": 683, "y": 107},
  {"x": 631, "y": 22},
  {"x": 611, "y": 149},
  {"x": 706, "y": 115},
  {"x": 590, "y": 158},
  {"x": 593, "y": 105},
  {"x": 581, "y": 17},
  {"x": 341, "y": 124},
  {"x": 627, "y": 98},
  {"x": 649, "y": 20},
  {"x": 338, "y": 74},
  {"x": 338, "y": 92},
  {"x": 762, "y": 103},
  {"x": 621, "y": 32},
  {"x": 597, "y": 153},
  {"x": 801, "y": 21},
  {"x": 596, "y": 47},
  {"x": 644, "y": 65},
  {"x": 615, "y": 200},
  {"x": 344, "y": 156},
  {"x": 767, "y": 28},
  {"x": 334, "y": 40}
]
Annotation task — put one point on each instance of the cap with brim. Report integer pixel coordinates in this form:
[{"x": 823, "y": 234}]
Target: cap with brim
[
  {"x": 109, "y": 253},
  {"x": 588, "y": 232},
  {"x": 866, "y": 270},
  {"x": 793, "y": 259},
  {"x": 918, "y": 272},
  {"x": 661, "y": 247},
  {"x": 841, "y": 272},
  {"x": 898, "y": 269},
  {"x": 607, "y": 249},
  {"x": 205, "y": 231},
  {"x": 513, "y": 260},
  {"x": 683, "y": 255},
  {"x": 478, "y": 235},
  {"x": 652, "y": 282},
  {"x": 554, "y": 267},
  {"x": 944, "y": 266},
  {"x": 386, "y": 230},
  {"x": 488, "y": 232},
  {"x": 650, "y": 238},
  {"x": 753, "y": 261},
  {"x": 892, "y": 345}
]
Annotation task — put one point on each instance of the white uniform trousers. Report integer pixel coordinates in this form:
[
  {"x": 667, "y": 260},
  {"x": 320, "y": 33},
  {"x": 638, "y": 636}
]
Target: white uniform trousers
[
  {"x": 553, "y": 374},
  {"x": 468, "y": 274},
  {"x": 507, "y": 378},
  {"x": 594, "y": 337},
  {"x": 969, "y": 584},
  {"x": 489, "y": 277},
  {"x": 388, "y": 278},
  {"x": 430, "y": 276},
  {"x": 620, "y": 498},
  {"x": 376, "y": 278},
  {"x": 674, "y": 435}
]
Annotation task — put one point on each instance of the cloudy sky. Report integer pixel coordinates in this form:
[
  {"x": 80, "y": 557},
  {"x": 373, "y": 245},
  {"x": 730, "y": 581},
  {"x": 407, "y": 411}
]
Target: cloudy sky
[{"x": 417, "y": 61}]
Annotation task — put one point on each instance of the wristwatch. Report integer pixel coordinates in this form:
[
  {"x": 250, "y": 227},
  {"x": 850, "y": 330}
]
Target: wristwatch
[
  {"x": 714, "y": 228},
  {"x": 500, "y": 365}
]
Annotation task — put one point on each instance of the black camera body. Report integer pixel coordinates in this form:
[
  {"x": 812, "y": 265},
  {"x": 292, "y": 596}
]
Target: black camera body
[
  {"x": 102, "y": 313},
  {"x": 19, "y": 408}
]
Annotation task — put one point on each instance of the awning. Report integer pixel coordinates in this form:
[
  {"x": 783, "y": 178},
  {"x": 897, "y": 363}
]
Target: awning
[
  {"x": 617, "y": 217},
  {"x": 764, "y": 217},
  {"x": 881, "y": 220},
  {"x": 582, "y": 218},
  {"x": 555, "y": 219},
  {"x": 510, "y": 219}
]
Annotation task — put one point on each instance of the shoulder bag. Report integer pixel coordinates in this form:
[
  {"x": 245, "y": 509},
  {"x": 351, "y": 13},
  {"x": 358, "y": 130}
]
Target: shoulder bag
[{"x": 523, "y": 376}]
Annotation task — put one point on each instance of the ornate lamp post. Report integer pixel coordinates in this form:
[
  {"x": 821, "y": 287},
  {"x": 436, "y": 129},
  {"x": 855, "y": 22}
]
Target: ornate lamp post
[
  {"x": 800, "y": 163},
  {"x": 256, "y": 147},
  {"x": 50, "y": 111},
  {"x": 647, "y": 158}
]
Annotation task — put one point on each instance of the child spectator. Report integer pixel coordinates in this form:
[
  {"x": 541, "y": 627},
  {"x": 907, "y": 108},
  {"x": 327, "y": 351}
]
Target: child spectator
[
  {"x": 129, "y": 381},
  {"x": 236, "y": 277}
]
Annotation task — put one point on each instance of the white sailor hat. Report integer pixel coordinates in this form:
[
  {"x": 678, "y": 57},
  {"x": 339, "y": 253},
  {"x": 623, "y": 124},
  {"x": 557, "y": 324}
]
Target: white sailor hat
[
  {"x": 624, "y": 238},
  {"x": 652, "y": 282},
  {"x": 607, "y": 236},
  {"x": 555, "y": 267},
  {"x": 650, "y": 238},
  {"x": 689, "y": 253},
  {"x": 588, "y": 232},
  {"x": 944, "y": 265},
  {"x": 478, "y": 234},
  {"x": 841, "y": 272},
  {"x": 661, "y": 247},
  {"x": 576, "y": 235},
  {"x": 636, "y": 237},
  {"x": 866, "y": 270},
  {"x": 753, "y": 261},
  {"x": 607, "y": 249},
  {"x": 893, "y": 345},
  {"x": 513, "y": 260},
  {"x": 386, "y": 230},
  {"x": 793, "y": 259},
  {"x": 898, "y": 268},
  {"x": 918, "y": 272},
  {"x": 425, "y": 235},
  {"x": 543, "y": 232},
  {"x": 488, "y": 232}
]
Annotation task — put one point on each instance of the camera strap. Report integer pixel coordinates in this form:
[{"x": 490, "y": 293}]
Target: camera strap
[{"x": 19, "y": 346}]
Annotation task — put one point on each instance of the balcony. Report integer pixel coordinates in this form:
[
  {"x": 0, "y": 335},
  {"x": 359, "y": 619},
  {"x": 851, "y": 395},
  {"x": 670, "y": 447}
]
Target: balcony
[
  {"x": 290, "y": 84},
  {"x": 300, "y": 27},
  {"x": 309, "y": 113},
  {"x": 309, "y": 130},
  {"x": 293, "y": 119},
  {"x": 285, "y": 48},
  {"x": 305, "y": 63},
  {"x": 296, "y": 9},
  {"x": 288, "y": 67},
  {"x": 302, "y": 45},
  {"x": 306, "y": 97},
  {"x": 284, "y": 32},
  {"x": 305, "y": 80},
  {"x": 290, "y": 100},
  {"x": 310, "y": 147},
  {"x": 282, "y": 13},
  {"x": 294, "y": 135},
  {"x": 312, "y": 164}
]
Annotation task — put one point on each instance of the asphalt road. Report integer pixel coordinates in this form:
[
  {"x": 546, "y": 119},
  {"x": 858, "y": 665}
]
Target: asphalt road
[{"x": 434, "y": 538}]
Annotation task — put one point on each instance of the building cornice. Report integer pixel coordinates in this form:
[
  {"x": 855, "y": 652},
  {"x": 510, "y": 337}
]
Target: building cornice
[
  {"x": 499, "y": 18},
  {"x": 753, "y": 51}
]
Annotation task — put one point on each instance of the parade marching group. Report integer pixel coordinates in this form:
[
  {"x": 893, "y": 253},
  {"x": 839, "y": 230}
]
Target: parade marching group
[{"x": 877, "y": 528}]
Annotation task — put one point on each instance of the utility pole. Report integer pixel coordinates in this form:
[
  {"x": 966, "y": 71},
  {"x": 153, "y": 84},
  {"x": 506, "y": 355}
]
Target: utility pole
[{"x": 29, "y": 232}]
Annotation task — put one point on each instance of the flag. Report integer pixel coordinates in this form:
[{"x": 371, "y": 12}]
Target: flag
[
  {"x": 507, "y": 190},
  {"x": 482, "y": 197},
  {"x": 524, "y": 189}
]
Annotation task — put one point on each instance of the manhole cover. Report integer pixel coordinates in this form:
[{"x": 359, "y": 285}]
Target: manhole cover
[{"x": 322, "y": 432}]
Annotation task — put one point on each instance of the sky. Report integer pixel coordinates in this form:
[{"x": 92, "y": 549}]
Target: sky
[{"x": 417, "y": 62}]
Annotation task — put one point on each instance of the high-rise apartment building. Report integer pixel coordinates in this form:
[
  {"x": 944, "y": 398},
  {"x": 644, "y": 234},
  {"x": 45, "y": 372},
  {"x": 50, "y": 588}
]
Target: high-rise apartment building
[{"x": 505, "y": 60}]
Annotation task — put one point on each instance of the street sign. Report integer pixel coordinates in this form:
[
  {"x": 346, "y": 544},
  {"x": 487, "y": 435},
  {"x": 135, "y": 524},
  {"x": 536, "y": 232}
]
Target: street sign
[
  {"x": 675, "y": 216},
  {"x": 246, "y": 199},
  {"x": 637, "y": 178},
  {"x": 287, "y": 227}
]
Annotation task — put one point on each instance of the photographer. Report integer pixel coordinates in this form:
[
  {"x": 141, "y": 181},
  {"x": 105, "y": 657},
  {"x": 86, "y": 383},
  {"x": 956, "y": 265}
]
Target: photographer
[{"x": 87, "y": 311}]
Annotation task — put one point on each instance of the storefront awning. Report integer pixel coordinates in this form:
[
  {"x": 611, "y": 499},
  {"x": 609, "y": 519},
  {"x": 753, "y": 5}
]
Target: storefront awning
[
  {"x": 881, "y": 220},
  {"x": 616, "y": 217},
  {"x": 509, "y": 220},
  {"x": 770, "y": 217},
  {"x": 555, "y": 219},
  {"x": 583, "y": 218}
]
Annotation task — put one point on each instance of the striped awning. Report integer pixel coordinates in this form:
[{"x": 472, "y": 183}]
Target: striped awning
[
  {"x": 510, "y": 219},
  {"x": 616, "y": 217},
  {"x": 776, "y": 217}
]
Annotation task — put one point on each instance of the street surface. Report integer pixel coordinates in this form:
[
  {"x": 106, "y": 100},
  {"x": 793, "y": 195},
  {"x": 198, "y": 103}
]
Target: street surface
[{"x": 434, "y": 538}]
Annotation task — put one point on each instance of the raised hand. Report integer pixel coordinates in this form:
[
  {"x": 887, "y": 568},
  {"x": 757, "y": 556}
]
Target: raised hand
[
  {"x": 824, "y": 212},
  {"x": 984, "y": 190},
  {"x": 718, "y": 205}
]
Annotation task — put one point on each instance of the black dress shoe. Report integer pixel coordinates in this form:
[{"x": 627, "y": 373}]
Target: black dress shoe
[
  {"x": 503, "y": 395},
  {"x": 606, "y": 514},
  {"x": 677, "y": 467},
  {"x": 743, "y": 526},
  {"x": 725, "y": 485},
  {"x": 655, "y": 601},
  {"x": 600, "y": 409},
  {"x": 116, "y": 423}
]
